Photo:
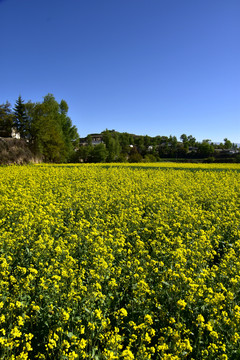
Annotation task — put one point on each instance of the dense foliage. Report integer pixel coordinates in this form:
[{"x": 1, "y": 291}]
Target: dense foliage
[
  {"x": 120, "y": 262},
  {"x": 111, "y": 146},
  {"x": 45, "y": 127},
  {"x": 6, "y": 120}
]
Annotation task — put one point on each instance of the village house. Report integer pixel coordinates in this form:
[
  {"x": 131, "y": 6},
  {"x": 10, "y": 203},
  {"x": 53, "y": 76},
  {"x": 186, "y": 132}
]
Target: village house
[{"x": 94, "y": 138}]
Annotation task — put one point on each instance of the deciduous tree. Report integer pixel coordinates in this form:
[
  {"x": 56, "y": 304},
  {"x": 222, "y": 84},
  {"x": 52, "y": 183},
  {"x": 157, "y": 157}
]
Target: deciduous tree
[{"x": 6, "y": 120}]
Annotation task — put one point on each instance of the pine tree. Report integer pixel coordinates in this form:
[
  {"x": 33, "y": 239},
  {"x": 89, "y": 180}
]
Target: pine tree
[{"x": 21, "y": 122}]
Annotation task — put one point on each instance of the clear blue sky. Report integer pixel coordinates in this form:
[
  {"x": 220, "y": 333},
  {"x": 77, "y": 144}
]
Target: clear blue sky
[{"x": 156, "y": 67}]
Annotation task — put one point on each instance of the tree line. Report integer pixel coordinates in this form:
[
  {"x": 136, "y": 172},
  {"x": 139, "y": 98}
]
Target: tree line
[
  {"x": 125, "y": 147},
  {"x": 45, "y": 126},
  {"x": 50, "y": 135}
]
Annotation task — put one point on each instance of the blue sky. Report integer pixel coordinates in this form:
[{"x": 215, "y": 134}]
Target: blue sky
[{"x": 156, "y": 67}]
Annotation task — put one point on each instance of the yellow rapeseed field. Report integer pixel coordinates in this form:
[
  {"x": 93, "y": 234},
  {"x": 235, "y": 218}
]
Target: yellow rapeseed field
[{"x": 120, "y": 262}]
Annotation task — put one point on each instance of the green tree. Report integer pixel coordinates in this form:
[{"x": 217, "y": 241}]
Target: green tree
[
  {"x": 139, "y": 142},
  {"x": 185, "y": 141},
  {"x": 150, "y": 158},
  {"x": 205, "y": 149},
  {"x": 125, "y": 140},
  {"x": 111, "y": 140},
  {"x": 147, "y": 141},
  {"x": 134, "y": 157},
  {"x": 227, "y": 144},
  {"x": 32, "y": 112},
  {"x": 99, "y": 153},
  {"x": 184, "y": 138},
  {"x": 6, "y": 120},
  {"x": 172, "y": 141},
  {"x": 52, "y": 132},
  {"x": 21, "y": 121},
  {"x": 83, "y": 154},
  {"x": 89, "y": 140},
  {"x": 191, "y": 140},
  {"x": 163, "y": 146},
  {"x": 48, "y": 138},
  {"x": 69, "y": 132}
]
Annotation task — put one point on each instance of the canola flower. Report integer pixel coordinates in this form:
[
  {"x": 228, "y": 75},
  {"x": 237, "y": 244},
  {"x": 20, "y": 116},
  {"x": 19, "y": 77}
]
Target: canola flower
[{"x": 120, "y": 262}]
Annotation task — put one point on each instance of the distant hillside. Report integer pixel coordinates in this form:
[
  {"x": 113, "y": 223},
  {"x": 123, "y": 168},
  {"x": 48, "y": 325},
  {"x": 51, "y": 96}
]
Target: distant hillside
[{"x": 15, "y": 151}]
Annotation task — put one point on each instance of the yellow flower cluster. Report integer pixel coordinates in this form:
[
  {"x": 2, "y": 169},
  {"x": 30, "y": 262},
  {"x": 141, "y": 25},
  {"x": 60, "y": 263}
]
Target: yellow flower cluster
[{"x": 120, "y": 262}]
